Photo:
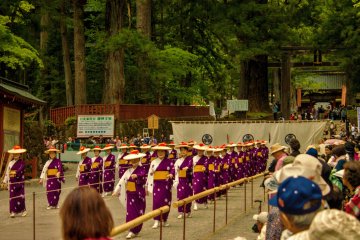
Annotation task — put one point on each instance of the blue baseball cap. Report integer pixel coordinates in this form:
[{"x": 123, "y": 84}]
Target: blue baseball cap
[{"x": 297, "y": 195}]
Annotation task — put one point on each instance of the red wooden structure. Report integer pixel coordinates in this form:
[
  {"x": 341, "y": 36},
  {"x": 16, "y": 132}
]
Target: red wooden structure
[{"x": 125, "y": 112}]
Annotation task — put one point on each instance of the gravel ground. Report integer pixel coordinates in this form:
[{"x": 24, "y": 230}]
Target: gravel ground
[{"x": 200, "y": 226}]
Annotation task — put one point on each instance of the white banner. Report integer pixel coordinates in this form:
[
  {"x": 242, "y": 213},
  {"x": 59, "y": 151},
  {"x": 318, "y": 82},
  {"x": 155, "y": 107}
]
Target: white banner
[
  {"x": 95, "y": 125},
  {"x": 219, "y": 132}
]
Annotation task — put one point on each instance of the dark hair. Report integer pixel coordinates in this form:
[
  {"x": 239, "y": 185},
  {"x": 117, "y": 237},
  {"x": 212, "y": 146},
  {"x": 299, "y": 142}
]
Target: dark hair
[
  {"x": 85, "y": 215},
  {"x": 338, "y": 151},
  {"x": 352, "y": 173},
  {"x": 294, "y": 144}
]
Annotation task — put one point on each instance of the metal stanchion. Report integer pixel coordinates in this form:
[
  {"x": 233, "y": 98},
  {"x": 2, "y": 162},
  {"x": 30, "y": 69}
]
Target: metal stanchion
[
  {"x": 245, "y": 182},
  {"x": 33, "y": 215},
  {"x": 184, "y": 228},
  {"x": 226, "y": 205},
  {"x": 214, "y": 211},
  {"x": 264, "y": 187},
  {"x": 161, "y": 224},
  {"x": 268, "y": 203},
  {"x": 252, "y": 193}
]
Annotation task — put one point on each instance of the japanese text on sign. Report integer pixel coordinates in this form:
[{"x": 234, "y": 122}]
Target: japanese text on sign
[{"x": 95, "y": 125}]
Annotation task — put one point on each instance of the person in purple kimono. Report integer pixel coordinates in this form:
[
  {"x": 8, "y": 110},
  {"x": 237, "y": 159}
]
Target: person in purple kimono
[
  {"x": 213, "y": 164},
  {"x": 200, "y": 174},
  {"x": 240, "y": 173},
  {"x": 146, "y": 160},
  {"x": 252, "y": 151},
  {"x": 122, "y": 164},
  {"x": 265, "y": 153},
  {"x": 258, "y": 157},
  {"x": 108, "y": 170},
  {"x": 160, "y": 181},
  {"x": 173, "y": 155},
  {"x": 246, "y": 159},
  {"x": 14, "y": 179},
  {"x": 84, "y": 167},
  {"x": 233, "y": 161},
  {"x": 225, "y": 166},
  {"x": 192, "y": 150},
  {"x": 51, "y": 177},
  {"x": 183, "y": 182},
  {"x": 95, "y": 178},
  {"x": 131, "y": 190}
]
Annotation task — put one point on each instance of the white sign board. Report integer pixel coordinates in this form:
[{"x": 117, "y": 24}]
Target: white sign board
[
  {"x": 95, "y": 125},
  {"x": 237, "y": 105}
]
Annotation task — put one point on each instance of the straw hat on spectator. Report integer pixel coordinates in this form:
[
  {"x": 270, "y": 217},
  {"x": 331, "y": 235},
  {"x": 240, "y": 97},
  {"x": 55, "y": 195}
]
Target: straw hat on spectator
[
  {"x": 306, "y": 166},
  {"x": 331, "y": 224},
  {"x": 135, "y": 154},
  {"x": 108, "y": 146},
  {"x": 276, "y": 148},
  {"x": 52, "y": 149},
  {"x": 161, "y": 146},
  {"x": 17, "y": 149},
  {"x": 261, "y": 217},
  {"x": 83, "y": 150},
  {"x": 201, "y": 147}
]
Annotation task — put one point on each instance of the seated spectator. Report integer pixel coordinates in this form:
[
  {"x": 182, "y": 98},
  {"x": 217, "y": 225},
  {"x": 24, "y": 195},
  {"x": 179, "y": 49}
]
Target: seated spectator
[
  {"x": 331, "y": 224},
  {"x": 261, "y": 220},
  {"x": 295, "y": 146},
  {"x": 84, "y": 215},
  {"x": 351, "y": 180},
  {"x": 299, "y": 200}
]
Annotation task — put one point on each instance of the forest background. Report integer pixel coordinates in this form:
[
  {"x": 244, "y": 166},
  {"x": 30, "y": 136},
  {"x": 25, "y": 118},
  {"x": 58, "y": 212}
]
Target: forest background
[{"x": 169, "y": 51}]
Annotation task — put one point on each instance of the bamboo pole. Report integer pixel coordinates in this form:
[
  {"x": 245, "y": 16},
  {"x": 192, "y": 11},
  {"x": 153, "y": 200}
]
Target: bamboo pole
[{"x": 137, "y": 221}]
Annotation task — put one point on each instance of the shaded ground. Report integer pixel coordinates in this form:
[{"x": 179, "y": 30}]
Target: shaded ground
[{"x": 199, "y": 227}]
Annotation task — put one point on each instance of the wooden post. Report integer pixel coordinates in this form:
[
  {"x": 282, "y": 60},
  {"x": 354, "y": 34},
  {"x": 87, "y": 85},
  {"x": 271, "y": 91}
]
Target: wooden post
[{"x": 285, "y": 84}]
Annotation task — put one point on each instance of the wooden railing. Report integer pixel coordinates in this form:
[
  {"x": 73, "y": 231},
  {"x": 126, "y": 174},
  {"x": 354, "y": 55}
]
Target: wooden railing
[{"x": 127, "y": 111}]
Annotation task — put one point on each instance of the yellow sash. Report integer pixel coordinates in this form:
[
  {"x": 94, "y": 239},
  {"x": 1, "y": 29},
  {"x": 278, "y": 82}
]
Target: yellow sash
[
  {"x": 107, "y": 163},
  {"x": 189, "y": 153},
  {"x": 171, "y": 156},
  {"x": 211, "y": 167},
  {"x": 182, "y": 173},
  {"x": 226, "y": 166},
  {"x": 52, "y": 172},
  {"x": 82, "y": 167},
  {"x": 247, "y": 158},
  {"x": 240, "y": 160},
  {"x": 259, "y": 154},
  {"x": 123, "y": 162},
  {"x": 130, "y": 186},
  {"x": 233, "y": 160},
  {"x": 199, "y": 168},
  {"x": 143, "y": 160},
  {"x": 161, "y": 175},
  {"x": 95, "y": 165}
]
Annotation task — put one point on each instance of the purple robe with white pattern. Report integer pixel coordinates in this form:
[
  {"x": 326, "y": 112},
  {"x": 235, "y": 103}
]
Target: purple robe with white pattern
[
  {"x": 135, "y": 201},
  {"x": 213, "y": 176},
  {"x": 53, "y": 183},
  {"x": 84, "y": 175},
  {"x": 109, "y": 173},
  {"x": 162, "y": 188},
  {"x": 17, "y": 187},
  {"x": 95, "y": 177},
  {"x": 184, "y": 187},
  {"x": 200, "y": 178},
  {"x": 123, "y": 166}
]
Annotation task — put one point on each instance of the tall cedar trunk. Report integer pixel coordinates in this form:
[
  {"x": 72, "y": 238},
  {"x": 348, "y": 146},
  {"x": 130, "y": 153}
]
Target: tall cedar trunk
[
  {"x": 46, "y": 86},
  {"x": 66, "y": 56},
  {"x": 79, "y": 52},
  {"x": 143, "y": 26},
  {"x": 254, "y": 83},
  {"x": 114, "y": 85}
]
